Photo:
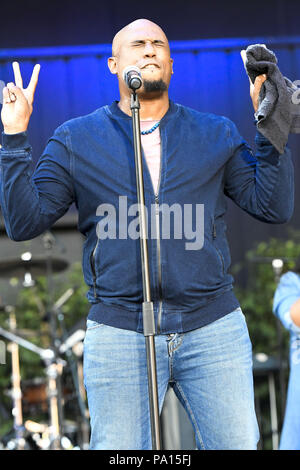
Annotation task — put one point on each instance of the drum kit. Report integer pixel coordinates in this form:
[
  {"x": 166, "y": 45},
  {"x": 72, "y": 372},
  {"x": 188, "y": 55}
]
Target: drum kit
[
  {"x": 62, "y": 364},
  {"x": 50, "y": 394}
]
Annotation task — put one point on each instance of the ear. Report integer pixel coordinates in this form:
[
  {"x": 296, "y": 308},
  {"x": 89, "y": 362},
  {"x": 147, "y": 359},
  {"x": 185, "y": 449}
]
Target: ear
[
  {"x": 112, "y": 65},
  {"x": 172, "y": 61}
]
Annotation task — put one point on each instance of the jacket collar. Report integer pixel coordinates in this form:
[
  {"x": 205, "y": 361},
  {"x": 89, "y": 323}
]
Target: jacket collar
[{"x": 115, "y": 112}]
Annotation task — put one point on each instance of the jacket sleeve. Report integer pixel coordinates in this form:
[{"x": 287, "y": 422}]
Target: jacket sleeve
[
  {"x": 262, "y": 185},
  {"x": 287, "y": 293},
  {"x": 32, "y": 201}
]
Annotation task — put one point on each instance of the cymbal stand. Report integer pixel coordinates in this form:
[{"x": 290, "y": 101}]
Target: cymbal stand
[
  {"x": 73, "y": 363},
  {"x": 16, "y": 385},
  {"x": 47, "y": 355},
  {"x": 54, "y": 369},
  {"x": 85, "y": 425},
  {"x": 54, "y": 372}
]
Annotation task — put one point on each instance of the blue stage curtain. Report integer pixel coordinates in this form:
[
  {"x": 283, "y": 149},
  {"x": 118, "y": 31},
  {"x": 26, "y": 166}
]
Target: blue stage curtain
[{"x": 208, "y": 76}]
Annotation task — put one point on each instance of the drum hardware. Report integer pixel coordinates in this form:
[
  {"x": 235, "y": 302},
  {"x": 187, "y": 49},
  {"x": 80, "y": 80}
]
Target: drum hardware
[
  {"x": 25, "y": 332},
  {"x": 53, "y": 370},
  {"x": 24, "y": 268},
  {"x": 18, "y": 440},
  {"x": 72, "y": 347},
  {"x": 72, "y": 341},
  {"x": 36, "y": 266},
  {"x": 39, "y": 432},
  {"x": 271, "y": 259},
  {"x": 81, "y": 396},
  {"x": 277, "y": 265},
  {"x": 78, "y": 351},
  {"x": 16, "y": 388},
  {"x": 35, "y": 396},
  {"x": 267, "y": 366},
  {"x": 46, "y": 355},
  {"x": 52, "y": 436}
]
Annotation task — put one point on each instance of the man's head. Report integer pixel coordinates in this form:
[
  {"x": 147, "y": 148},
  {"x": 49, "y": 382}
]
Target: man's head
[{"x": 144, "y": 44}]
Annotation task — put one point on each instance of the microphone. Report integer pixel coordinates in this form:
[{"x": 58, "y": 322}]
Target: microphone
[{"x": 132, "y": 77}]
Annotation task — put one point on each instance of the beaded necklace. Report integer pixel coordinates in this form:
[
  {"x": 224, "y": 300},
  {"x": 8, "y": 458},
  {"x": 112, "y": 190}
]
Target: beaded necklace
[{"x": 149, "y": 131}]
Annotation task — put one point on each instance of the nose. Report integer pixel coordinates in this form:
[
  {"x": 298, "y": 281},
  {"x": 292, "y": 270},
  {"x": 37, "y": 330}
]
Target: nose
[{"x": 149, "y": 50}]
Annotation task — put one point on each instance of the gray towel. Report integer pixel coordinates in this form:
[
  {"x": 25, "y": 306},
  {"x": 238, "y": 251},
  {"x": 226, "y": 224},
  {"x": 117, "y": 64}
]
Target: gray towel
[{"x": 278, "y": 111}]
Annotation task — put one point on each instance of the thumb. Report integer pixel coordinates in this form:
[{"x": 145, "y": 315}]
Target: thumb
[
  {"x": 16, "y": 94},
  {"x": 15, "y": 90},
  {"x": 255, "y": 91},
  {"x": 260, "y": 79},
  {"x": 6, "y": 96}
]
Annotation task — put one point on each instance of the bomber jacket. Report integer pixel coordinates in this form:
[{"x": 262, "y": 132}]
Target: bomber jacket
[{"x": 90, "y": 161}]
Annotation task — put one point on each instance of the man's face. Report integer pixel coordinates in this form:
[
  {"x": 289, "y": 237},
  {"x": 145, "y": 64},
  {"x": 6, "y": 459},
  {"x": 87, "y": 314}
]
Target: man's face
[{"x": 144, "y": 45}]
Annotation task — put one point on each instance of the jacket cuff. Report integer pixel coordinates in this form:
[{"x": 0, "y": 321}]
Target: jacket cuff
[
  {"x": 265, "y": 150},
  {"x": 259, "y": 137},
  {"x": 15, "y": 141}
]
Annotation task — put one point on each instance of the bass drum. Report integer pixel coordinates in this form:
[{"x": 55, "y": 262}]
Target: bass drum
[{"x": 34, "y": 396}]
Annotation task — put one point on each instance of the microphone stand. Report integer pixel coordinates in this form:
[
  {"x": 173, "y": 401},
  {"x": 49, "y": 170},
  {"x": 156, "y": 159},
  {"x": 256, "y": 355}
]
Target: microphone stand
[{"x": 148, "y": 315}]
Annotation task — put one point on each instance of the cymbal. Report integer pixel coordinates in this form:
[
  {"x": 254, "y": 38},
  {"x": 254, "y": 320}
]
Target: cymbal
[{"x": 37, "y": 266}]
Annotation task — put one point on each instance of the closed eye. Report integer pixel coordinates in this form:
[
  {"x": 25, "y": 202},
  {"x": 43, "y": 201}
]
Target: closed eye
[{"x": 156, "y": 42}]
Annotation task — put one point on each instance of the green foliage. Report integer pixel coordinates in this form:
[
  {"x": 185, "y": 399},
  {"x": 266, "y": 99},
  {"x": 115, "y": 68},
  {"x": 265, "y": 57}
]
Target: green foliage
[
  {"x": 256, "y": 301},
  {"x": 257, "y": 298},
  {"x": 266, "y": 332},
  {"x": 32, "y": 317}
]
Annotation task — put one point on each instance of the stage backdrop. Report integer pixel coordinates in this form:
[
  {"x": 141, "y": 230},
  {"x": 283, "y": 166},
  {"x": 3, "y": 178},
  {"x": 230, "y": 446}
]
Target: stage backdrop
[{"x": 208, "y": 76}]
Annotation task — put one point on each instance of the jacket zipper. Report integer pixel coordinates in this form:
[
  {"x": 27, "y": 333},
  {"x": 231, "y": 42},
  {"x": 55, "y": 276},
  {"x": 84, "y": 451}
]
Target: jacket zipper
[
  {"x": 217, "y": 249},
  {"x": 158, "y": 263},
  {"x": 159, "y": 315},
  {"x": 93, "y": 266},
  {"x": 157, "y": 240}
]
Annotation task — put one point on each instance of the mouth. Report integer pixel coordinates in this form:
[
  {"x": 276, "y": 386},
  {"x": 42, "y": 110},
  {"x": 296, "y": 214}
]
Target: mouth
[{"x": 150, "y": 67}]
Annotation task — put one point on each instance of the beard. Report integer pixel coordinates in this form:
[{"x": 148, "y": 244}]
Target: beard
[{"x": 154, "y": 86}]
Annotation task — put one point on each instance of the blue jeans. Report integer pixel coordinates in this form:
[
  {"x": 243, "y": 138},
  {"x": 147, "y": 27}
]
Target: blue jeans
[{"x": 210, "y": 370}]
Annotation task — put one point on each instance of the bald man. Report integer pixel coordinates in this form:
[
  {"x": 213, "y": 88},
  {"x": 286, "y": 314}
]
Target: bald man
[
  {"x": 192, "y": 162},
  {"x": 154, "y": 62}
]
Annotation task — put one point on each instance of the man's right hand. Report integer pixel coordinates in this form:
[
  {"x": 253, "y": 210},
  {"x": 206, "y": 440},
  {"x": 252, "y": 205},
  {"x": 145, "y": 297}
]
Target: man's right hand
[{"x": 17, "y": 101}]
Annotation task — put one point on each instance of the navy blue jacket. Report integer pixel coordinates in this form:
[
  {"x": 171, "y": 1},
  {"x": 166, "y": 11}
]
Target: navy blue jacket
[{"x": 90, "y": 161}]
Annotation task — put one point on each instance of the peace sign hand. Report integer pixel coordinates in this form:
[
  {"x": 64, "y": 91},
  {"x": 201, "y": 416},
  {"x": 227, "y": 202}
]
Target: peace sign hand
[{"x": 17, "y": 101}]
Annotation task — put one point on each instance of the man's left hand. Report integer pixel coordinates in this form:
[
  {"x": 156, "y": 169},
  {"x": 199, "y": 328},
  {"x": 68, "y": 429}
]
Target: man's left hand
[{"x": 256, "y": 86}]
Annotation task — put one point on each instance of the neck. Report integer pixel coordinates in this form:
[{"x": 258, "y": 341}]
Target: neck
[{"x": 152, "y": 109}]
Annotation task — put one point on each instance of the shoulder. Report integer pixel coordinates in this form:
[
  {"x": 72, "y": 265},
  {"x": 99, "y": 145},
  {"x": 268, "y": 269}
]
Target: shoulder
[
  {"x": 82, "y": 123},
  {"x": 211, "y": 119},
  {"x": 212, "y": 126},
  {"x": 290, "y": 278}
]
